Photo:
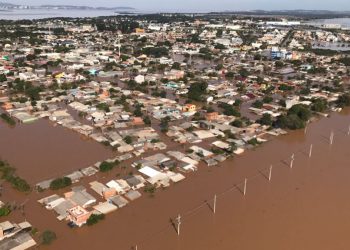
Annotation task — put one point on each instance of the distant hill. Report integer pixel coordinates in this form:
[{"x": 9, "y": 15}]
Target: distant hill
[{"x": 295, "y": 13}]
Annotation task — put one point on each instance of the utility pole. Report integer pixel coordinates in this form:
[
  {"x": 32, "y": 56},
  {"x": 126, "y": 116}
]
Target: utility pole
[
  {"x": 310, "y": 152},
  {"x": 331, "y": 138},
  {"x": 291, "y": 161},
  {"x": 214, "y": 208},
  {"x": 270, "y": 173},
  {"x": 178, "y": 222},
  {"x": 245, "y": 186}
]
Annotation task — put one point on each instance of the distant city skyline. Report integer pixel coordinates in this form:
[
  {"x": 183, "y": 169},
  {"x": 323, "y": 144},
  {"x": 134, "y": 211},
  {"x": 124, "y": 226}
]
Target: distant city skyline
[{"x": 200, "y": 5}]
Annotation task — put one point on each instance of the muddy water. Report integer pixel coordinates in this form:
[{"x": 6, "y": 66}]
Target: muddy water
[
  {"x": 306, "y": 207},
  {"x": 41, "y": 150}
]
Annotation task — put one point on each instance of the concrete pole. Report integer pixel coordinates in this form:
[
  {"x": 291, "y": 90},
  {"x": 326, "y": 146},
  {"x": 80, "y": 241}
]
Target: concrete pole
[
  {"x": 331, "y": 138},
  {"x": 291, "y": 161},
  {"x": 270, "y": 173},
  {"x": 214, "y": 208},
  {"x": 178, "y": 220},
  {"x": 245, "y": 186},
  {"x": 349, "y": 130},
  {"x": 305, "y": 130},
  {"x": 310, "y": 152}
]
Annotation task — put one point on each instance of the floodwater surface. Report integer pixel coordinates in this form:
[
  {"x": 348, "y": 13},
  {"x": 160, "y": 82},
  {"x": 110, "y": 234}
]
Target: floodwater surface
[
  {"x": 305, "y": 207},
  {"x": 42, "y": 150}
]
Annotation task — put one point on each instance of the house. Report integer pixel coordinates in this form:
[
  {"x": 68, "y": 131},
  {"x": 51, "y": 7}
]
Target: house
[
  {"x": 108, "y": 193},
  {"x": 78, "y": 215},
  {"x": 139, "y": 79},
  {"x": 137, "y": 121},
  {"x": 119, "y": 201},
  {"x": 80, "y": 197},
  {"x": 105, "y": 207},
  {"x": 212, "y": 116},
  {"x": 7, "y": 106},
  {"x": 135, "y": 182},
  {"x": 20, "y": 241},
  {"x": 189, "y": 108},
  {"x": 133, "y": 195},
  {"x": 114, "y": 184}
]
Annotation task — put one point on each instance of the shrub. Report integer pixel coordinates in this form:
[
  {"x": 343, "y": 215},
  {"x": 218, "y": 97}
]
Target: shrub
[
  {"x": 5, "y": 210},
  {"x": 47, "y": 237},
  {"x": 9, "y": 120},
  {"x": 106, "y": 166},
  {"x": 60, "y": 183},
  {"x": 94, "y": 219}
]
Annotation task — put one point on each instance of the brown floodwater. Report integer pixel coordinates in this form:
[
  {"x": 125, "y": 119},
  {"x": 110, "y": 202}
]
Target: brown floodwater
[
  {"x": 43, "y": 150},
  {"x": 304, "y": 207}
]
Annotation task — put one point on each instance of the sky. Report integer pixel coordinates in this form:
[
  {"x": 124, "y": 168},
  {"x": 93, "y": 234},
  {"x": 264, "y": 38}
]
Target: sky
[{"x": 201, "y": 5}]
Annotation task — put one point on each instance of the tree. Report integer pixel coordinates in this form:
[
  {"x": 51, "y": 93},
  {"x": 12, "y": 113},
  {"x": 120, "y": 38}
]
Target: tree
[
  {"x": 5, "y": 210},
  {"x": 279, "y": 64},
  {"x": 103, "y": 106},
  {"x": 319, "y": 105},
  {"x": 343, "y": 101},
  {"x": 3, "y": 78},
  {"x": 219, "y": 33},
  {"x": 305, "y": 91},
  {"x": 128, "y": 139},
  {"x": 164, "y": 124},
  {"x": 229, "y": 110},
  {"x": 60, "y": 183},
  {"x": 243, "y": 72},
  {"x": 138, "y": 111},
  {"x": 302, "y": 111},
  {"x": 147, "y": 120},
  {"x": 47, "y": 237},
  {"x": 197, "y": 90},
  {"x": 267, "y": 99},
  {"x": 237, "y": 123},
  {"x": 290, "y": 121},
  {"x": 94, "y": 219},
  {"x": 220, "y": 46},
  {"x": 106, "y": 166},
  {"x": 258, "y": 104},
  {"x": 265, "y": 120},
  {"x": 176, "y": 65}
]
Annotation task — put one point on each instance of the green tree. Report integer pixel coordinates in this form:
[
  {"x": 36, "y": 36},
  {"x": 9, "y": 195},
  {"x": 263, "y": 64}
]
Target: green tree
[
  {"x": 60, "y": 183},
  {"x": 197, "y": 90},
  {"x": 147, "y": 120},
  {"x": 302, "y": 111},
  {"x": 258, "y": 104},
  {"x": 47, "y": 237},
  {"x": 128, "y": 139},
  {"x": 343, "y": 100},
  {"x": 94, "y": 219},
  {"x": 266, "y": 119}
]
